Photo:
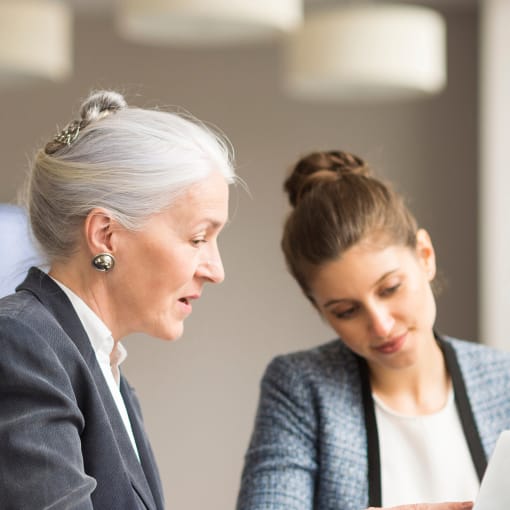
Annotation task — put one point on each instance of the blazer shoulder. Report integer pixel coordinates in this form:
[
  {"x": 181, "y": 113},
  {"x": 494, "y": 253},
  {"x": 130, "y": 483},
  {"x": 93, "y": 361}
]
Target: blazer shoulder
[
  {"x": 332, "y": 355},
  {"x": 23, "y": 311},
  {"x": 328, "y": 371},
  {"x": 477, "y": 356}
]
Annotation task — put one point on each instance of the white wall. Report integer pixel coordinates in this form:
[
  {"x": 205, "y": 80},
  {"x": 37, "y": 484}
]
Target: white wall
[
  {"x": 199, "y": 394},
  {"x": 494, "y": 176}
]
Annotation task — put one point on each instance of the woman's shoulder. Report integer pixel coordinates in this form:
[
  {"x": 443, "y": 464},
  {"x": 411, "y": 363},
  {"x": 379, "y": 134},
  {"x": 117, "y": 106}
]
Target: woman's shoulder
[
  {"x": 333, "y": 352},
  {"x": 22, "y": 306},
  {"x": 19, "y": 307},
  {"x": 328, "y": 361},
  {"x": 25, "y": 321},
  {"x": 468, "y": 346},
  {"x": 478, "y": 356}
]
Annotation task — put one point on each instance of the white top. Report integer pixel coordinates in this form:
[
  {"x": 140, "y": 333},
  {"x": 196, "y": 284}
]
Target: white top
[
  {"x": 424, "y": 459},
  {"x": 109, "y": 359}
]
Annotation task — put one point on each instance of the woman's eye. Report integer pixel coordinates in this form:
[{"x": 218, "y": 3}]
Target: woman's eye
[
  {"x": 345, "y": 314},
  {"x": 198, "y": 241},
  {"x": 388, "y": 291}
]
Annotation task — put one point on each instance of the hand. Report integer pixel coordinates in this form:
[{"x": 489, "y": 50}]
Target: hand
[{"x": 463, "y": 505}]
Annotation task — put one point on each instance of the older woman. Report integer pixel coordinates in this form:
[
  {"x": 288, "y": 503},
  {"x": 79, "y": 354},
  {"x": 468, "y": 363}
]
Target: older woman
[{"x": 127, "y": 205}]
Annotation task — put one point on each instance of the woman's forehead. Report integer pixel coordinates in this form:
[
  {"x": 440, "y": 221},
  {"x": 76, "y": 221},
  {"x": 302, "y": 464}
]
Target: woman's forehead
[{"x": 362, "y": 265}]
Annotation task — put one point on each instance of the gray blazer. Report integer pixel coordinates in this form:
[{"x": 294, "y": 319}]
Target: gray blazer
[
  {"x": 62, "y": 441},
  {"x": 310, "y": 445}
]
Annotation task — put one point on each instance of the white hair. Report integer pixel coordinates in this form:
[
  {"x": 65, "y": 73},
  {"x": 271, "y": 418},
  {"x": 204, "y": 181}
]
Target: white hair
[{"x": 132, "y": 161}]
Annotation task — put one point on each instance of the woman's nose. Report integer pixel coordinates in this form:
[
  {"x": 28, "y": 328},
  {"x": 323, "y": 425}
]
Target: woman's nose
[
  {"x": 211, "y": 268},
  {"x": 381, "y": 321}
]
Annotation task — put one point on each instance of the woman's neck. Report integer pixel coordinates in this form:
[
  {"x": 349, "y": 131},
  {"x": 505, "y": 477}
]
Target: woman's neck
[
  {"x": 89, "y": 287},
  {"x": 419, "y": 389}
]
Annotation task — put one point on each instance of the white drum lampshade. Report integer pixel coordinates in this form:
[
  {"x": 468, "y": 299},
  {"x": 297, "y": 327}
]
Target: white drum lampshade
[
  {"x": 369, "y": 51},
  {"x": 35, "y": 40},
  {"x": 201, "y": 22}
]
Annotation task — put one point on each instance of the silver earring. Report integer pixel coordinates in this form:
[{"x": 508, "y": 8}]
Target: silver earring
[{"x": 103, "y": 262}]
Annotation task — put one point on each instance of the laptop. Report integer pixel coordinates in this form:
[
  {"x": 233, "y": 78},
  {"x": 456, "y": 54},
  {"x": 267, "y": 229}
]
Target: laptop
[{"x": 494, "y": 493}]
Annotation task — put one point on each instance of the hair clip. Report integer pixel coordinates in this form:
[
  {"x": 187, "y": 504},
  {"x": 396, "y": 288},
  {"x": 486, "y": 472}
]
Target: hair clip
[{"x": 69, "y": 134}]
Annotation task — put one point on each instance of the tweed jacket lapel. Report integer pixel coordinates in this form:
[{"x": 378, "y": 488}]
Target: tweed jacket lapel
[{"x": 55, "y": 300}]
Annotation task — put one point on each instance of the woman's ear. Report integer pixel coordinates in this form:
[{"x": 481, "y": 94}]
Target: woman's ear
[
  {"x": 98, "y": 226},
  {"x": 425, "y": 253}
]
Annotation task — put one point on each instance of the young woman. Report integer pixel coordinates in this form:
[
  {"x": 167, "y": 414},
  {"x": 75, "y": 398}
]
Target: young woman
[{"x": 391, "y": 412}]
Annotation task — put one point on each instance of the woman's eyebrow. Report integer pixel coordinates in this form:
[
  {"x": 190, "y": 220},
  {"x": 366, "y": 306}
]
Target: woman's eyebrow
[{"x": 335, "y": 301}]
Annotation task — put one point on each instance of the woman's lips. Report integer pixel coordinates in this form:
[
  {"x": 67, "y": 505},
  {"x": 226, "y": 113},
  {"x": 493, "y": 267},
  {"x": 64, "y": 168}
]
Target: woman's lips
[
  {"x": 392, "y": 346},
  {"x": 185, "y": 303}
]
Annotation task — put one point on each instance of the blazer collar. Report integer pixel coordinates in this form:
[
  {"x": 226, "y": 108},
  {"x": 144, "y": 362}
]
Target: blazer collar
[
  {"x": 57, "y": 303},
  {"x": 144, "y": 449}
]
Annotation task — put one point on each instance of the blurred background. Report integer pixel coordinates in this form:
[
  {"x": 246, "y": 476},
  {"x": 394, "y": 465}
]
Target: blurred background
[{"x": 443, "y": 144}]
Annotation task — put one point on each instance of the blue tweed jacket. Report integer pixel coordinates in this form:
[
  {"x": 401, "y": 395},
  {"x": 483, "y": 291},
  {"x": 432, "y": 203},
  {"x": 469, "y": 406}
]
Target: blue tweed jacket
[{"x": 309, "y": 445}]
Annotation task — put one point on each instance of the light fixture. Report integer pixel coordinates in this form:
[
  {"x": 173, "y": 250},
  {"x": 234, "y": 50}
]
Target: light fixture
[
  {"x": 35, "y": 40},
  {"x": 199, "y": 22},
  {"x": 367, "y": 51}
]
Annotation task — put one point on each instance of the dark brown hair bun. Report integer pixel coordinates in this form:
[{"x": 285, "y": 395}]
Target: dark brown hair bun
[{"x": 321, "y": 167}]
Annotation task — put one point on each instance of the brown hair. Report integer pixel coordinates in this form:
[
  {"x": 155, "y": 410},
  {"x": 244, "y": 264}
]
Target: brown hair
[{"x": 336, "y": 204}]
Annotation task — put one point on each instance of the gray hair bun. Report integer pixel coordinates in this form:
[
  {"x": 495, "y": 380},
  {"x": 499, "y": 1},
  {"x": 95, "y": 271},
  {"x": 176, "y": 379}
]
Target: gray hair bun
[
  {"x": 101, "y": 103},
  {"x": 97, "y": 106}
]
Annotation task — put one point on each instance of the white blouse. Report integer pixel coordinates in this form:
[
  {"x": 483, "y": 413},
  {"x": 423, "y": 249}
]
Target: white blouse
[{"x": 424, "y": 459}]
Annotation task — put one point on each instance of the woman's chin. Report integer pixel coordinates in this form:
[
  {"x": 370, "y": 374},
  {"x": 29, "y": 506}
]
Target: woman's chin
[
  {"x": 168, "y": 331},
  {"x": 170, "y": 335}
]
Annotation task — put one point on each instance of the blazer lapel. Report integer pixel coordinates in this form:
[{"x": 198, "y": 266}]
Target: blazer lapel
[
  {"x": 55, "y": 300},
  {"x": 144, "y": 449}
]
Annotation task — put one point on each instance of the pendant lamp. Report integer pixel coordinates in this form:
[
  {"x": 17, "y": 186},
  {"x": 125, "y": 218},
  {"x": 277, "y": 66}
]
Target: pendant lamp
[
  {"x": 35, "y": 40},
  {"x": 367, "y": 51},
  {"x": 205, "y": 22}
]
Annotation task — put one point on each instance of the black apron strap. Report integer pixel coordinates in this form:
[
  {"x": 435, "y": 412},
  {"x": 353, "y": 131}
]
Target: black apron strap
[
  {"x": 464, "y": 408},
  {"x": 373, "y": 457}
]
